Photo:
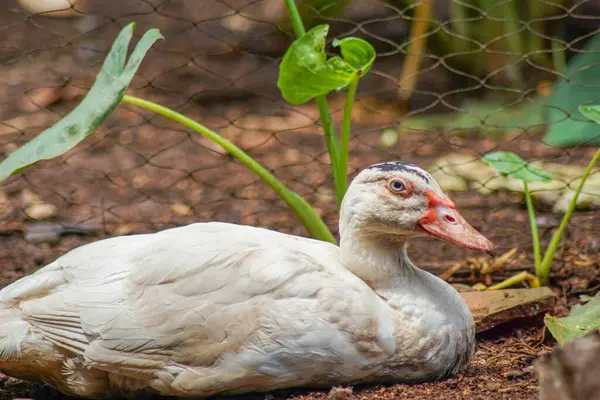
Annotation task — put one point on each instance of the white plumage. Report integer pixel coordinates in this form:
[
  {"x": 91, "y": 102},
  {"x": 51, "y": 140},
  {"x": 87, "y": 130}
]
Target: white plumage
[{"x": 220, "y": 308}]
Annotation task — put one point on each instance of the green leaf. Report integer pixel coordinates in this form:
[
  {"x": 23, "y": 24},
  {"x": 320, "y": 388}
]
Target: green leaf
[
  {"x": 357, "y": 52},
  {"x": 306, "y": 72},
  {"x": 591, "y": 112},
  {"x": 583, "y": 319},
  {"x": 568, "y": 127},
  {"x": 511, "y": 165},
  {"x": 489, "y": 117},
  {"x": 104, "y": 96}
]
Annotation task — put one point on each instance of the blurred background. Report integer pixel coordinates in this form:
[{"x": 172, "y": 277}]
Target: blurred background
[{"x": 453, "y": 79}]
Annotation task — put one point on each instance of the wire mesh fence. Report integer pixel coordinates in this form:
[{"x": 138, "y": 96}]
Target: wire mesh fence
[{"x": 483, "y": 84}]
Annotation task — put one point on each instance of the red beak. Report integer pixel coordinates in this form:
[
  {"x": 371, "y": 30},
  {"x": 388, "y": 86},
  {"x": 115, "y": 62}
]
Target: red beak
[{"x": 444, "y": 222}]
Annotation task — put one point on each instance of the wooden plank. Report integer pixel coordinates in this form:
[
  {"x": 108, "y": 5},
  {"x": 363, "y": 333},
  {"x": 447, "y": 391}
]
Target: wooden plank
[{"x": 491, "y": 308}]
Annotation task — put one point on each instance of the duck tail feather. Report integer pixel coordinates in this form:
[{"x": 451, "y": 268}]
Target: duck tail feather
[{"x": 13, "y": 331}]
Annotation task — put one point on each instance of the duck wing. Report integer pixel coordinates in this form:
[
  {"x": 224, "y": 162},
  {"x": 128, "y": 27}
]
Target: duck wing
[{"x": 133, "y": 305}]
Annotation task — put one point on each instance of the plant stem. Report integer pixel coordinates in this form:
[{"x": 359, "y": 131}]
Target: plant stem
[
  {"x": 412, "y": 60},
  {"x": 295, "y": 18},
  {"x": 345, "y": 141},
  {"x": 514, "y": 35},
  {"x": 513, "y": 280},
  {"x": 553, "y": 246},
  {"x": 460, "y": 25},
  {"x": 330, "y": 136},
  {"x": 328, "y": 129},
  {"x": 558, "y": 56},
  {"x": 313, "y": 223},
  {"x": 535, "y": 237}
]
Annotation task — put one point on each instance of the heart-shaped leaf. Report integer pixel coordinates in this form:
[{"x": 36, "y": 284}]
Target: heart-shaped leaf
[
  {"x": 306, "y": 72},
  {"x": 357, "y": 52},
  {"x": 104, "y": 96},
  {"x": 510, "y": 165},
  {"x": 583, "y": 319}
]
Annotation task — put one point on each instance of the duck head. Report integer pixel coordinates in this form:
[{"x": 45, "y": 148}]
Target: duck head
[{"x": 396, "y": 200}]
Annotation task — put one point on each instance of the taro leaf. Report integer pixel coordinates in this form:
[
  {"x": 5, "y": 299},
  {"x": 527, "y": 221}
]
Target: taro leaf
[
  {"x": 591, "y": 112},
  {"x": 510, "y": 165},
  {"x": 581, "y": 320},
  {"x": 490, "y": 117},
  {"x": 581, "y": 85},
  {"x": 357, "y": 52},
  {"x": 306, "y": 72},
  {"x": 104, "y": 96}
]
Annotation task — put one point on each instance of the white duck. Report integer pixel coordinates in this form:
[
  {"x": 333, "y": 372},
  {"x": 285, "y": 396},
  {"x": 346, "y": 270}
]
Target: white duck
[{"x": 220, "y": 308}]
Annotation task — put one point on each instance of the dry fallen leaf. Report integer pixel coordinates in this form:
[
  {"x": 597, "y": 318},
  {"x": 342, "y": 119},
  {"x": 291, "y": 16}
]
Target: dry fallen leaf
[
  {"x": 140, "y": 180},
  {"x": 40, "y": 211},
  {"x": 35, "y": 207},
  {"x": 237, "y": 23},
  {"x": 54, "y": 8},
  {"x": 181, "y": 209},
  {"x": 124, "y": 229}
]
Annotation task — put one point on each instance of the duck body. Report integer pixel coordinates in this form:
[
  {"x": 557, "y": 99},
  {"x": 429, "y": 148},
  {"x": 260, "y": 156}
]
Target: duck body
[
  {"x": 222, "y": 308},
  {"x": 216, "y": 308}
]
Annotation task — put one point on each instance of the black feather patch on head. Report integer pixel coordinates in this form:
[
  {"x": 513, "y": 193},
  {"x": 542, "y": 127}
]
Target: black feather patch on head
[{"x": 401, "y": 166}]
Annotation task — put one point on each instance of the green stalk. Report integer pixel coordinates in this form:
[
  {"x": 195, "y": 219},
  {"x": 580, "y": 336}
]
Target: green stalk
[
  {"x": 553, "y": 246},
  {"x": 328, "y": 129},
  {"x": 313, "y": 223},
  {"x": 558, "y": 56},
  {"x": 330, "y": 135},
  {"x": 533, "y": 38},
  {"x": 295, "y": 18},
  {"x": 535, "y": 237},
  {"x": 459, "y": 24},
  {"x": 342, "y": 182},
  {"x": 511, "y": 26},
  {"x": 518, "y": 278},
  {"x": 412, "y": 60}
]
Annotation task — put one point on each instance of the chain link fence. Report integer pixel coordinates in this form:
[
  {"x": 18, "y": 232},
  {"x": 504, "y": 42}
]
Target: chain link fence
[{"x": 219, "y": 65}]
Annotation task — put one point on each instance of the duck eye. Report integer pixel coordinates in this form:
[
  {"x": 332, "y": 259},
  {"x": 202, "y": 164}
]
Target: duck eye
[{"x": 397, "y": 186}]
